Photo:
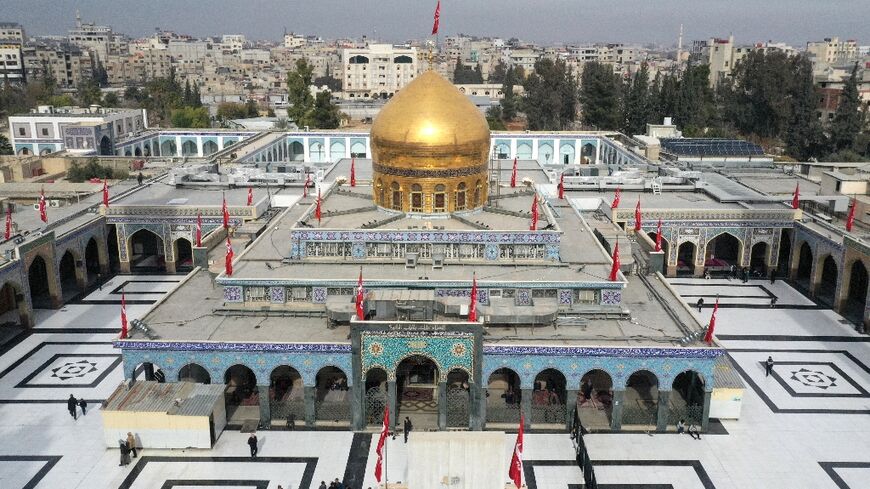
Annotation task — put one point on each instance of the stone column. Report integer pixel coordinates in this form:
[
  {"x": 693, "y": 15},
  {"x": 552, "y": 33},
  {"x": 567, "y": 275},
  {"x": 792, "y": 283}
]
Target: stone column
[
  {"x": 527, "y": 406},
  {"x": 391, "y": 400},
  {"x": 357, "y": 407},
  {"x": 664, "y": 409},
  {"x": 81, "y": 275},
  {"x": 570, "y": 407},
  {"x": 310, "y": 416},
  {"x": 477, "y": 407},
  {"x": 265, "y": 408},
  {"x": 442, "y": 406},
  {"x": 170, "y": 267},
  {"x": 705, "y": 419},
  {"x": 616, "y": 421}
]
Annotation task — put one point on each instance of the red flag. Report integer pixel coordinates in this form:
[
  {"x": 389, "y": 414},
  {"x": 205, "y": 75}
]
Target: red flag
[
  {"x": 796, "y": 199},
  {"x": 562, "y": 187},
  {"x": 42, "y": 214},
  {"x": 353, "y": 172},
  {"x": 317, "y": 213},
  {"x": 437, "y": 18},
  {"x": 228, "y": 264},
  {"x": 472, "y": 308},
  {"x": 226, "y": 214},
  {"x": 8, "y": 223},
  {"x": 615, "y": 203},
  {"x": 105, "y": 193},
  {"x": 250, "y": 195},
  {"x": 850, "y": 220},
  {"x": 307, "y": 183},
  {"x": 199, "y": 229},
  {"x": 708, "y": 338},
  {"x": 614, "y": 269},
  {"x": 385, "y": 431},
  {"x": 514, "y": 174},
  {"x": 516, "y": 470},
  {"x": 659, "y": 236},
  {"x": 637, "y": 215},
  {"x": 123, "y": 315},
  {"x": 360, "y": 312},
  {"x": 534, "y": 225}
]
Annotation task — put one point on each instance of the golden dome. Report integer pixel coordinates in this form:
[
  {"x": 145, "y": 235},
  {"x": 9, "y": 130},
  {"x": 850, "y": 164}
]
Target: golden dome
[{"x": 430, "y": 140}]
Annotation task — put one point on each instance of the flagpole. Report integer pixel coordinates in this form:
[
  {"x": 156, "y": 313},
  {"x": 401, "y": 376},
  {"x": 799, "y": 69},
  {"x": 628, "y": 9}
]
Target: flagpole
[{"x": 386, "y": 467}]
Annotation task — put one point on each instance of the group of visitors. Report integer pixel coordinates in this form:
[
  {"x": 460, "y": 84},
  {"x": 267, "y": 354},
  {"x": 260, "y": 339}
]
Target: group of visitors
[
  {"x": 72, "y": 405},
  {"x": 336, "y": 484},
  {"x": 692, "y": 430},
  {"x": 127, "y": 447}
]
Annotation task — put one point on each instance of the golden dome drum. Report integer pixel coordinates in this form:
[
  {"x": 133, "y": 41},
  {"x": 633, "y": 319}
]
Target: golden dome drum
[{"x": 430, "y": 149}]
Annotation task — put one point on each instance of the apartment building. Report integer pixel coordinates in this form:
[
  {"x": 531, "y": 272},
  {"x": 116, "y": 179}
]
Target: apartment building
[
  {"x": 377, "y": 70},
  {"x": 833, "y": 51},
  {"x": 139, "y": 67},
  {"x": 67, "y": 64},
  {"x": 11, "y": 54},
  {"x": 97, "y": 39}
]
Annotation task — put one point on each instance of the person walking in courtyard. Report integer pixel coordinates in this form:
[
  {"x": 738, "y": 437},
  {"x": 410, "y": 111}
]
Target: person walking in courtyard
[
  {"x": 700, "y": 304},
  {"x": 252, "y": 442},
  {"x": 139, "y": 178},
  {"x": 772, "y": 276},
  {"x": 71, "y": 404},
  {"x": 291, "y": 422},
  {"x": 773, "y": 301},
  {"x": 745, "y": 275},
  {"x": 768, "y": 366},
  {"x": 407, "y": 428},
  {"x": 84, "y": 405},
  {"x": 322, "y": 485},
  {"x": 131, "y": 443},
  {"x": 125, "y": 454}
]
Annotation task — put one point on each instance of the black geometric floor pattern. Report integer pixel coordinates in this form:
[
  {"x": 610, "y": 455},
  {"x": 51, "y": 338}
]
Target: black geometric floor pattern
[
  {"x": 305, "y": 483},
  {"x": 531, "y": 481},
  {"x": 49, "y": 462},
  {"x": 830, "y": 468}
]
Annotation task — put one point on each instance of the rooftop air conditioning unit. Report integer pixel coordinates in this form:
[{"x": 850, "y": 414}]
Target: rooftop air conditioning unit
[
  {"x": 54, "y": 203},
  {"x": 438, "y": 261},
  {"x": 410, "y": 260}
]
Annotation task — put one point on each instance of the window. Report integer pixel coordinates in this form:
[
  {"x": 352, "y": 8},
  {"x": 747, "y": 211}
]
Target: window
[
  {"x": 416, "y": 198},
  {"x": 460, "y": 196},
  {"x": 397, "y": 196},
  {"x": 21, "y": 131},
  {"x": 45, "y": 131},
  {"x": 440, "y": 199}
]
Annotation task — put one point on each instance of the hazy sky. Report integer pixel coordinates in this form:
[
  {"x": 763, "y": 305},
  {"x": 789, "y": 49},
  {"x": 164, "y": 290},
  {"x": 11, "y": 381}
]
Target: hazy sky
[{"x": 546, "y": 21}]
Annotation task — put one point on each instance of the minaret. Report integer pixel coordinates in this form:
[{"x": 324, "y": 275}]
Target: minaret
[
  {"x": 78, "y": 19},
  {"x": 680, "y": 44}
]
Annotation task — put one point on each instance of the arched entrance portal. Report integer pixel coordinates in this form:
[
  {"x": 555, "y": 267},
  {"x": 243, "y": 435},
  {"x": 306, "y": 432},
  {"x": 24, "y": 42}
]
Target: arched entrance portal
[
  {"x": 686, "y": 259},
  {"x": 828, "y": 282},
  {"x": 332, "y": 398},
  {"x": 375, "y": 396},
  {"x": 13, "y": 308},
  {"x": 92, "y": 261},
  {"x": 67, "y": 270},
  {"x": 686, "y": 401},
  {"x": 721, "y": 253},
  {"x": 856, "y": 298},
  {"x": 112, "y": 248},
  {"x": 758, "y": 259},
  {"x": 241, "y": 396},
  {"x": 595, "y": 400},
  {"x": 652, "y": 237},
  {"x": 37, "y": 278},
  {"x": 503, "y": 397},
  {"x": 286, "y": 396},
  {"x": 804, "y": 267},
  {"x": 458, "y": 399},
  {"x": 641, "y": 400},
  {"x": 194, "y": 373},
  {"x": 146, "y": 251},
  {"x": 183, "y": 255},
  {"x": 105, "y": 146},
  {"x": 548, "y": 398},
  {"x": 417, "y": 385},
  {"x": 784, "y": 254}
]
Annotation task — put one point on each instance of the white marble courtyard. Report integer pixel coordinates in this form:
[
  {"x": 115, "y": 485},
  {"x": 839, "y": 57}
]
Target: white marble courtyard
[{"x": 805, "y": 426}]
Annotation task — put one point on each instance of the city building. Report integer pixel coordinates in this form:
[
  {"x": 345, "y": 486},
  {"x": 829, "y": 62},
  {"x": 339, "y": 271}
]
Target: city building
[
  {"x": 833, "y": 51},
  {"x": 97, "y": 39},
  {"x": 11, "y": 53},
  {"x": 66, "y": 64},
  {"x": 377, "y": 70},
  {"x": 93, "y": 130}
]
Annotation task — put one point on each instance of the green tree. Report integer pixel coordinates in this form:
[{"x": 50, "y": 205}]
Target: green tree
[
  {"x": 252, "y": 109},
  {"x": 230, "y": 110},
  {"x": 847, "y": 121},
  {"x": 333, "y": 84},
  {"x": 637, "y": 105},
  {"x": 497, "y": 75},
  {"x": 111, "y": 100},
  {"x": 550, "y": 100},
  {"x": 89, "y": 92},
  {"x": 759, "y": 82},
  {"x": 694, "y": 102},
  {"x": 509, "y": 101},
  {"x": 803, "y": 135},
  {"x": 465, "y": 74},
  {"x": 599, "y": 96},
  {"x": 79, "y": 173},
  {"x": 190, "y": 117},
  {"x": 325, "y": 114},
  {"x": 494, "y": 118},
  {"x": 5, "y": 147},
  {"x": 299, "y": 92}
]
